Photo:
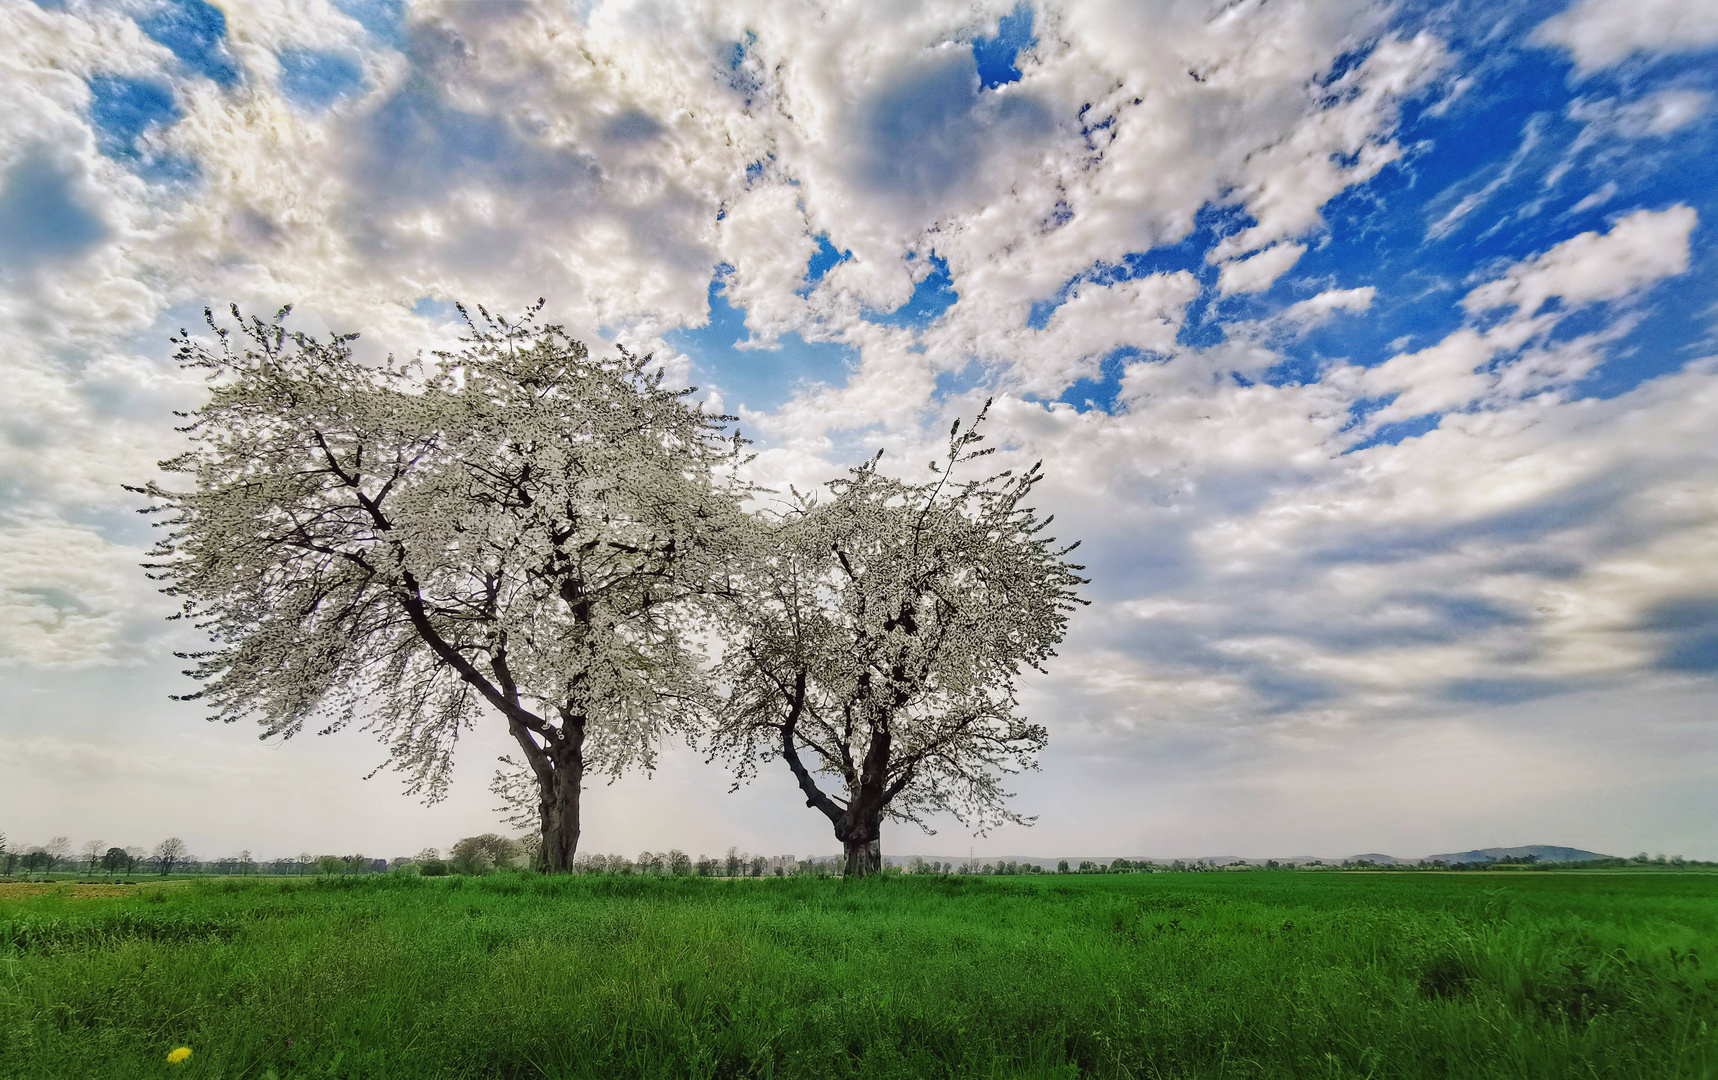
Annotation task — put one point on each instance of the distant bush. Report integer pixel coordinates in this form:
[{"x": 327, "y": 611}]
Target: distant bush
[
  {"x": 481, "y": 854},
  {"x": 433, "y": 868}
]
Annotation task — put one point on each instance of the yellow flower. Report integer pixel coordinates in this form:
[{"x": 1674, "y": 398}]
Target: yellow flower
[{"x": 178, "y": 1056}]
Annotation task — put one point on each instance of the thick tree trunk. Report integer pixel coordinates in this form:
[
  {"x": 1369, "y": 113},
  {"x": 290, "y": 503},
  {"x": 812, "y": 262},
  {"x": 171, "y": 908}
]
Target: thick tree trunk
[
  {"x": 560, "y": 771},
  {"x": 559, "y": 807},
  {"x": 860, "y": 828},
  {"x": 858, "y": 824},
  {"x": 863, "y": 857}
]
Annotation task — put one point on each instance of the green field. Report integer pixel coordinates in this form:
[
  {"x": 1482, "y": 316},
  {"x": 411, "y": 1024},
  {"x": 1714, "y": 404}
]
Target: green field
[{"x": 1142, "y": 975}]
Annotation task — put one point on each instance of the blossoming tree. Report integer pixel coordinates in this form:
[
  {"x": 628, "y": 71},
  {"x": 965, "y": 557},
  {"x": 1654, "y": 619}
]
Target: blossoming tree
[
  {"x": 517, "y": 529},
  {"x": 884, "y": 629}
]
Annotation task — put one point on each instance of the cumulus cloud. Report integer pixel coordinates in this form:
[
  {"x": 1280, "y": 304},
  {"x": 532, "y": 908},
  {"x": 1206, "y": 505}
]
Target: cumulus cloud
[
  {"x": 1257, "y": 272},
  {"x": 1144, "y": 314},
  {"x": 1318, "y": 308},
  {"x": 69, "y": 597},
  {"x": 1291, "y": 526},
  {"x": 1600, "y": 33},
  {"x": 1343, "y": 143},
  {"x": 1640, "y": 248},
  {"x": 1516, "y": 356}
]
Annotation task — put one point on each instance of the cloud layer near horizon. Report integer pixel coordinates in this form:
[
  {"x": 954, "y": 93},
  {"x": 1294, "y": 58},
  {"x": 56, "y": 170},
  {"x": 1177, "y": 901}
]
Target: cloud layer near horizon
[{"x": 1369, "y": 349}]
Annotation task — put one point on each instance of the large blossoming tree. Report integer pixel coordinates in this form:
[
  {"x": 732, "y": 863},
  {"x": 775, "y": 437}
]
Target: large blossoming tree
[
  {"x": 516, "y": 530},
  {"x": 882, "y": 633}
]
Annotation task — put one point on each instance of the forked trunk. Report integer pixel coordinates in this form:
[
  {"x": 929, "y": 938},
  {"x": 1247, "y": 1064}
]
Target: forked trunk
[
  {"x": 858, "y": 824},
  {"x": 560, "y": 772}
]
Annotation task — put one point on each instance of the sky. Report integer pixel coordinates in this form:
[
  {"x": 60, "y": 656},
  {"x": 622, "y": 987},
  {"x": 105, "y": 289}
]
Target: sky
[{"x": 1369, "y": 349}]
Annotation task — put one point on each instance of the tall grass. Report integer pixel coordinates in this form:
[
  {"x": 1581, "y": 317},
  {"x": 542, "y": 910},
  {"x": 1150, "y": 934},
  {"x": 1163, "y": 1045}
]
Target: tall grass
[{"x": 1166, "y": 975}]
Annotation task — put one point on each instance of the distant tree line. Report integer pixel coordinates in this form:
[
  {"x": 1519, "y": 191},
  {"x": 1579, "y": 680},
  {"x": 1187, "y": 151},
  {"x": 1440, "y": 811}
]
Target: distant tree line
[
  {"x": 171, "y": 856},
  {"x": 491, "y": 852}
]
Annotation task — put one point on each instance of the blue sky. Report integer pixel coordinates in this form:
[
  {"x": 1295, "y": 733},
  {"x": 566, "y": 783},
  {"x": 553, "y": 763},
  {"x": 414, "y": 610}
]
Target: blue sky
[{"x": 1369, "y": 347}]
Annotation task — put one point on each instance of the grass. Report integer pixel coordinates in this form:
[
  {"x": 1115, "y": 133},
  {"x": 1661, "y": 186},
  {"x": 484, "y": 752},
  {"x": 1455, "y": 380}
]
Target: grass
[{"x": 1161, "y": 975}]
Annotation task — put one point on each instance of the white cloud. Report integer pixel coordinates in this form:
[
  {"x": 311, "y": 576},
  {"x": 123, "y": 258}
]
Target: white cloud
[
  {"x": 1651, "y": 116},
  {"x": 1318, "y": 308},
  {"x": 1669, "y": 110},
  {"x": 1600, "y": 33},
  {"x": 1257, "y": 272},
  {"x": 66, "y": 597},
  {"x": 1343, "y": 143},
  {"x": 765, "y": 237},
  {"x": 1144, "y": 313},
  {"x": 1639, "y": 249},
  {"x": 1252, "y": 570},
  {"x": 1464, "y": 367},
  {"x": 1601, "y": 195}
]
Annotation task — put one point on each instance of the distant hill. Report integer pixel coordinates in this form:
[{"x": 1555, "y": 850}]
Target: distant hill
[{"x": 1541, "y": 852}]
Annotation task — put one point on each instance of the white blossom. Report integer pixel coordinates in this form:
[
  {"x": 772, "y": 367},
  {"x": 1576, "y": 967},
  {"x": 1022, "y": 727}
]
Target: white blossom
[
  {"x": 884, "y": 630},
  {"x": 515, "y": 529}
]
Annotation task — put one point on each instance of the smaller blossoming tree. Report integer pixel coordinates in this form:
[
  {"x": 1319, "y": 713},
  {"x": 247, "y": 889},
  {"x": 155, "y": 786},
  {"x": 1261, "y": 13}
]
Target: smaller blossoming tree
[{"x": 883, "y": 630}]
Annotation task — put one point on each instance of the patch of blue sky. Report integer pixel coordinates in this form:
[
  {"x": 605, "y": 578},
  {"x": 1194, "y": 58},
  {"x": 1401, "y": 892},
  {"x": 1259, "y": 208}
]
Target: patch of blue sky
[
  {"x": 1689, "y": 629},
  {"x": 1437, "y": 619},
  {"x": 741, "y": 79},
  {"x": 1520, "y": 167},
  {"x": 1393, "y": 433},
  {"x": 196, "y": 32},
  {"x": 435, "y": 309},
  {"x": 122, "y": 111},
  {"x": 966, "y": 379},
  {"x": 934, "y": 294},
  {"x": 995, "y": 56},
  {"x": 315, "y": 80},
  {"x": 1503, "y": 691},
  {"x": 384, "y": 19},
  {"x": 168, "y": 169},
  {"x": 760, "y": 379},
  {"x": 1289, "y": 691},
  {"x": 1513, "y": 156},
  {"x": 1101, "y": 392},
  {"x": 822, "y": 261}
]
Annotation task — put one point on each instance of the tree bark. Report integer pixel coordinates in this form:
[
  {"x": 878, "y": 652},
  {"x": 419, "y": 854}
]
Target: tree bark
[
  {"x": 858, "y": 824},
  {"x": 860, "y": 828},
  {"x": 860, "y": 832},
  {"x": 864, "y": 857},
  {"x": 560, "y": 772},
  {"x": 560, "y": 817}
]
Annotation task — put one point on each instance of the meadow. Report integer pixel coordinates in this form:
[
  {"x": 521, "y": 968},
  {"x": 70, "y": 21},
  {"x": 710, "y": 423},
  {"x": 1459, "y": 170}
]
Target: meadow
[{"x": 1262, "y": 974}]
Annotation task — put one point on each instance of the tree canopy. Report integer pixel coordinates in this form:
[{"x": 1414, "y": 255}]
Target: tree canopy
[
  {"x": 884, "y": 628},
  {"x": 515, "y": 528}
]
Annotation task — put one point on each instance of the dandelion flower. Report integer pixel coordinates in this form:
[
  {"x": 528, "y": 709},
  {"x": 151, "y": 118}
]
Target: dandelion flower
[{"x": 177, "y": 1057}]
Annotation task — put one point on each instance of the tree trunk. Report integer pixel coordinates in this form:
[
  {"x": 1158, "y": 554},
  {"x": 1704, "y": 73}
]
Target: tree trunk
[
  {"x": 864, "y": 857},
  {"x": 560, "y": 816},
  {"x": 560, "y": 770}
]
